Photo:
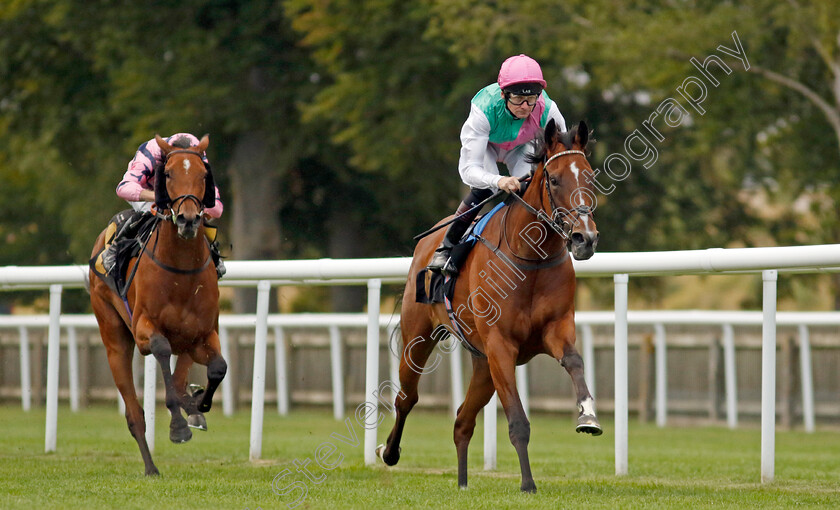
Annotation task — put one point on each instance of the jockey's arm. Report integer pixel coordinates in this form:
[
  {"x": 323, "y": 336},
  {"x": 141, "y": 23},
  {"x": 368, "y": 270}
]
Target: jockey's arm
[{"x": 475, "y": 135}]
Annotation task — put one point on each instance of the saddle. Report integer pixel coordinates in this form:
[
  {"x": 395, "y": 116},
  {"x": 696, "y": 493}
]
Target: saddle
[
  {"x": 441, "y": 288},
  {"x": 124, "y": 238}
]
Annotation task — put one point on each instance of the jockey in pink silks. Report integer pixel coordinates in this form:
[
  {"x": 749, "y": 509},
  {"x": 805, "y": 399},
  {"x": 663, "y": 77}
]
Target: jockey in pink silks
[
  {"x": 137, "y": 188},
  {"x": 504, "y": 119}
]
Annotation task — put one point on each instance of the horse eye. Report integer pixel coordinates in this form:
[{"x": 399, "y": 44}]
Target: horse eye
[{"x": 553, "y": 181}]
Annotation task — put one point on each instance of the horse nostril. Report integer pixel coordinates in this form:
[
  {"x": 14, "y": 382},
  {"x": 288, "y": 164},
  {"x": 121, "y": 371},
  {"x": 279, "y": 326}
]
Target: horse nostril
[{"x": 577, "y": 238}]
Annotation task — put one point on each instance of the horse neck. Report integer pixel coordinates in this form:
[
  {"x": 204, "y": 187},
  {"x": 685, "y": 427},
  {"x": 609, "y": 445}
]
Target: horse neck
[{"x": 520, "y": 225}]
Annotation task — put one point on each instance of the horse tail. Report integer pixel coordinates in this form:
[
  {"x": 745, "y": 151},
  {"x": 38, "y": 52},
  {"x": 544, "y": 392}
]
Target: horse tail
[{"x": 393, "y": 337}]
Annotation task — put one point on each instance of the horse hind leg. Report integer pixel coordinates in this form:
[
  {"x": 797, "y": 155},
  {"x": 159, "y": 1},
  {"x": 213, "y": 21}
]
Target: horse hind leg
[
  {"x": 188, "y": 399},
  {"x": 119, "y": 347},
  {"x": 415, "y": 354},
  {"x": 502, "y": 361},
  {"x": 119, "y": 359},
  {"x": 179, "y": 432},
  {"x": 478, "y": 394}
]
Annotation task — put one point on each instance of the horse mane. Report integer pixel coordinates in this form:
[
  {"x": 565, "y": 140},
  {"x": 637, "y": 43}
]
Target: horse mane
[{"x": 567, "y": 138}]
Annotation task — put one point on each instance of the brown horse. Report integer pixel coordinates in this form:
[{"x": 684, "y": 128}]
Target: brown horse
[
  {"x": 514, "y": 299},
  {"x": 173, "y": 300}
]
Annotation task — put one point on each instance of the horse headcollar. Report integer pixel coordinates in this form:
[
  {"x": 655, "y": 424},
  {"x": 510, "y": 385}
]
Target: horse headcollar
[{"x": 162, "y": 200}]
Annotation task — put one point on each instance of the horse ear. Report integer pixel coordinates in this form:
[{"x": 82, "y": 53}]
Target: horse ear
[
  {"x": 550, "y": 133},
  {"x": 161, "y": 194},
  {"x": 209, "y": 200},
  {"x": 165, "y": 147},
  {"x": 202, "y": 145},
  {"x": 582, "y": 135}
]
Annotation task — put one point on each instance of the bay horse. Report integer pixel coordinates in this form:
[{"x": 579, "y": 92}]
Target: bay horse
[
  {"x": 514, "y": 299},
  {"x": 172, "y": 303}
]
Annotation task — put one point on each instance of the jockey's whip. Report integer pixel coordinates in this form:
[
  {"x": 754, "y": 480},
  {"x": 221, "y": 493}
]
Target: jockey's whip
[{"x": 476, "y": 206}]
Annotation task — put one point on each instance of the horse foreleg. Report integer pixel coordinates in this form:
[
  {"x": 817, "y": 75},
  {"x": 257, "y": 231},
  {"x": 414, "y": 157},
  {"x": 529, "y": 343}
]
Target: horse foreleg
[
  {"x": 119, "y": 359},
  {"x": 479, "y": 393},
  {"x": 210, "y": 355},
  {"x": 179, "y": 432},
  {"x": 413, "y": 359},
  {"x": 502, "y": 360},
  {"x": 587, "y": 420},
  {"x": 560, "y": 340}
]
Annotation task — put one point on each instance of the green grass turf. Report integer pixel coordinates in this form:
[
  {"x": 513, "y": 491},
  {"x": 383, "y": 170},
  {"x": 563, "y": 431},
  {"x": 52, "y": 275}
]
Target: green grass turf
[{"x": 98, "y": 465}]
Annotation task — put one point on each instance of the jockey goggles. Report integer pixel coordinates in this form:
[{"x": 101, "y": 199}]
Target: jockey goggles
[{"x": 517, "y": 100}]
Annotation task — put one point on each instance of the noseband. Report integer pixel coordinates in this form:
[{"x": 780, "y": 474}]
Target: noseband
[{"x": 173, "y": 211}]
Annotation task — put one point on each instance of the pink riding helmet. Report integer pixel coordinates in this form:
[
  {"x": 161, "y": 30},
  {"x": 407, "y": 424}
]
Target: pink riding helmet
[{"x": 520, "y": 69}]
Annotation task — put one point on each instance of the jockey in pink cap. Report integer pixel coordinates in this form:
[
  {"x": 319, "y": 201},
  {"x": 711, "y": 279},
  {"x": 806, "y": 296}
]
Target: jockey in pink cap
[
  {"x": 504, "y": 119},
  {"x": 137, "y": 188}
]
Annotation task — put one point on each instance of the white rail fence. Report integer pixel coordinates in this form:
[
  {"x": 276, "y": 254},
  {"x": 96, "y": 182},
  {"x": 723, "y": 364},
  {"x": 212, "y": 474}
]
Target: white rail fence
[
  {"x": 768, "y": 261},
  {"x": 72, "y": 325}
]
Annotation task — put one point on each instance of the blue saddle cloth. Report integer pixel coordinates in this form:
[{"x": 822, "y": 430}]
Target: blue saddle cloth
[{"x": 478, "y": 228}]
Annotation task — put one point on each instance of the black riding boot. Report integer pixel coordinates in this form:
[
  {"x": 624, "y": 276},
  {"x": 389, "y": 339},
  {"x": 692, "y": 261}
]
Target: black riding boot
[
  {"x": 211, "y": 232},
  {"x": 216, "y": 254},
  {"x": 440, "y": 260},
  {"x": 130, "y": 224}
]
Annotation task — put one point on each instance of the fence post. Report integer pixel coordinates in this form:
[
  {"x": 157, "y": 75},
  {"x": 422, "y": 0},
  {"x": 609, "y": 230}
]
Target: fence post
[
  {"x": 768, "y": 376},
  {"x": 282, "y": 372},
  {"x": 456, "y": 374},
  {"x": 621, "y": 382},
  {"x": 53, "y": 347},
  {"x": 337, "y": 372},
  {"x": 374, "y": 287},
  {"x": 227, "y": 382},
  {"x": 588, "y": 358},
  {"x": 25, "y": 378},
  {"x": 522, "y": 387},
  {"x": 661, "y": 375},
  {"x": 73, "y": 368},
  {"x": 731, "y": 379},
  {"x": 258, "y": 384},
  {"x": 490, "y": 419},
  {"x": 807, "y": 378},
  {"x": 149, "y": 398}
]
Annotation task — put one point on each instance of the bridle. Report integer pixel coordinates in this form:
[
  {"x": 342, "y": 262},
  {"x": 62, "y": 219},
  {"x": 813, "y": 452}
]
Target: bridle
[
  {"x": 173, "y": 210},
  {"x": 556, "y": 218}
]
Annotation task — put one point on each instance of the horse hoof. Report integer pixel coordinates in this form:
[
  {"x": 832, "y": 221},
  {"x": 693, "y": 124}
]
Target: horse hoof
[
  {"x": 197, "y": 421},
  {"x": 180, "y": 435},
  {"x": 589, "y": 425},
  {"x": 390, "y": 461},
  {"x": 530, "y": 488}
]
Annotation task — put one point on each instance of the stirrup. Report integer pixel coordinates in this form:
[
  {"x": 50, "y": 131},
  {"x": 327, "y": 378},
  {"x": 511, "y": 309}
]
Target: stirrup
[
  {"x": 446, "y": 268},
  {"x": 439, "y": 260}
]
